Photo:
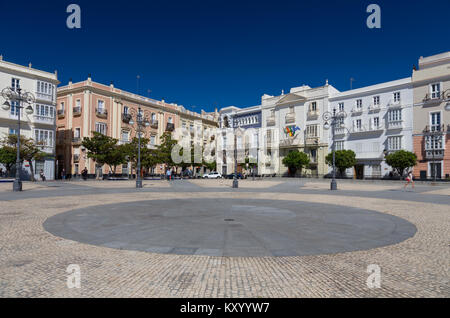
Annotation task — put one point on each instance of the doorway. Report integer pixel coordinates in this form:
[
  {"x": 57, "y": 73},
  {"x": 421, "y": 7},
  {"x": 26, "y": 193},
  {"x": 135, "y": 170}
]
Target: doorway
[
  {"x": 435, "y": 169},
  {"x": 359, "y": 171}
]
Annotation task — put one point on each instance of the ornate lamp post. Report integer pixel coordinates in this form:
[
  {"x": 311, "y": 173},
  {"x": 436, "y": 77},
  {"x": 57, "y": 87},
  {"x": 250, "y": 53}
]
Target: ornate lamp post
[
  {"x": 141, "y": 123},
  {"x": 333, "y": 119},
  {"x": 17, "y": 98}
]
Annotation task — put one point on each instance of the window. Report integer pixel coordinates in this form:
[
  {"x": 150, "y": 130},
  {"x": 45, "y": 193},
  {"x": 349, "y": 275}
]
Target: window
[
  {"x": 435, "y": 121},
  {"x": 38, "y": 166},
  {"x": 78, "y": 103},
  {"x": 77, "y": 133},
  {"x": 435, "y": 90},
  {"x": 77, "y": 168},
  {"x": 395, "y": 143},
  {"x": 358, "y": 124},
  {"x": 61, "y": 106},
  {"x": 44, "y": 111},
  {"x": 45, "y": 90},
  {"x": 152, "y": 140},
  {"x": 376, "y": 100},
  {"x": 433, "y": 142},
  {"x": 12, "y": 131},
  {"x": 312, "y": 131},
  {"x": 341, "y": 107},
  {"x": 395, "y": 115},
  {"x": 125, "y": 135},
  {"x": 101, "y": 106},
  {"x": 376, "y": 122},
  {"x": 170, "y": 120},
  {"x": 125, "y": 110},
  {"x": 44, "y": 137},
  {"x": 396, "y": 97},
  {"x": 359, "y": 104},
  {"x": 14, "y": 108},
  {"x": 313, "y": 106},
  {"x": 100, "y": 128},
  {"x": 183, "y": 124},
  {"x": 15, "y": 83},
  {"x": 339, "y": 145},
  {"x": 153, "y": 117}
]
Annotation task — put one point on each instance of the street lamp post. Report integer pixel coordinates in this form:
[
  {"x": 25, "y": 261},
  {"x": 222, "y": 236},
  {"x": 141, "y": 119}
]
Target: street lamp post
[
  {"x": 141, "y": 122},
  {"x": 16, "y": 96},
  {"x": 332, "y": 119},
  {"x": 235, "y": 180}
]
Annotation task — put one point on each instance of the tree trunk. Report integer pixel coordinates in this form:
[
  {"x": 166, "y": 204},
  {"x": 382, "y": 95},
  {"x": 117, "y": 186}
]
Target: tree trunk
[{"x": 31, "y": 168}]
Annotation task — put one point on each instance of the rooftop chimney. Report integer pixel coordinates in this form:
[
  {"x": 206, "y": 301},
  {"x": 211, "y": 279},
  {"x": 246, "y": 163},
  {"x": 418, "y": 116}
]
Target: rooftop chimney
[{"x": 29, "y": 65}]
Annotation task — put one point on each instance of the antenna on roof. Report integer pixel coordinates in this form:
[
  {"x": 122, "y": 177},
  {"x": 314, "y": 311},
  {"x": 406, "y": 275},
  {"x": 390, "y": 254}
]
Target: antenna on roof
[{"x": 351, "y": 82}]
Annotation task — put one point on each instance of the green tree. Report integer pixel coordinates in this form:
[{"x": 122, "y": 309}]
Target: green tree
[
  {"x": 104, "y": 150},
  {"x": 131, "y": 150},
  {"x": 149, "y": 158},
  {"x": 8, "y": 157},
  {"x": 295, "y": 160},
  {"x": 165, "y": 149},
  {"x": 344, "y": 159},
  {"x": 401, "y": 160},
  {"x": 29, "y": 150}
]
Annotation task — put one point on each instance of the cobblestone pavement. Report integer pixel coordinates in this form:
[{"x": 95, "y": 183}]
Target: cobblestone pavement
[{"x": 33, "y": 262}]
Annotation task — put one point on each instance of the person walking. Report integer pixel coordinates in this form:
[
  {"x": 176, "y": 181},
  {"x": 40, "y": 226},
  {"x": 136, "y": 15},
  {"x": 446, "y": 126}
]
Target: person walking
[
  {"x": 168, "y": 174},
  {"x": 63, "y": 174},
  {"x": 42, "y": 175},
  {"x": 84, "y": 173},
  {"x": 409, "y": 179}
]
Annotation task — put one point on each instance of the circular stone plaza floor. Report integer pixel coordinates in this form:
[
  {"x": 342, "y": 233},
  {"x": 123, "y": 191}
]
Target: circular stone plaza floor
[{"x": 201, "y": 238}]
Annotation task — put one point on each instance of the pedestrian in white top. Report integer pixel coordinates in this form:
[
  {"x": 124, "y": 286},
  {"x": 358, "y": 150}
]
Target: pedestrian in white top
[{"x": 409, "y": 179}]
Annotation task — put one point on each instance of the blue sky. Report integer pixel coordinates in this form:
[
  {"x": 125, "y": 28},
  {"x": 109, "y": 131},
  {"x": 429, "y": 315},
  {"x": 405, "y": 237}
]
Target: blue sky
[{"x": 218, "y": 53}]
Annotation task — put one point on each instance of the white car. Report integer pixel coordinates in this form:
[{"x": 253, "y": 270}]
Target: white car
[{"x": 212, "y": 175}]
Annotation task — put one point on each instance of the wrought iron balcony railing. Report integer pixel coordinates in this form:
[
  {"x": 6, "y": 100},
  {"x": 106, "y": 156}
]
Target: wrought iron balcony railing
[
  {"x": 77, "y": 111},
  {"x": 101, "y": 112}
]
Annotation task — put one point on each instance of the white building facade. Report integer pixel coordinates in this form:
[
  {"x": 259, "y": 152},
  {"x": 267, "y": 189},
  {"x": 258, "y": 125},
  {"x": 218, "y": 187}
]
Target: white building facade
[
  {"x": 379, "y": 121},
  {"x": 40, "y": 125},
  {"x": 294, "y": 122},
  {"x": 246, "y": 123}
]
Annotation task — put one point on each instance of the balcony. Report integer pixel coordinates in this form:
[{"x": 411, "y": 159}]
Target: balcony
[
  {"x": 375, "y": 128},
  {"x": 43, "y": 119},
  {"x": 124, "y": 141},
  {"x": 170, "y": 127},
  {"x": 126, "y": 117},
  {"x": 44, "y": 97},
  {"x": 76, "y": 158},
  {"x": 290, "y": 118},
  {"x": 76, "y": 141},
  {"x": 434, "y": 98},
  {"x": 77, "y": 111},
  {"x": 437, "y": 129},
  {"x": 394, "y": 124},
  {"x": 312, "y": 114},
  {"x": 61, "y": 113},
  {"x": 311, "y": 140},
  {"x": 356, "y": 111},
  {"x": 154, "y": 123},
  {"x": 288, "y": 142},
  {"x": 374, "y": 108},
  {"x": 101, "y": 112},
  {"x": 340, "y": 131},
  {"x": 432, "y": 154},
  {"x": 271, "y": 121}
]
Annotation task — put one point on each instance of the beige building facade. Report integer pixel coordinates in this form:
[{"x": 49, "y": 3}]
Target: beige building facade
[{"x": 431, "y": 123}]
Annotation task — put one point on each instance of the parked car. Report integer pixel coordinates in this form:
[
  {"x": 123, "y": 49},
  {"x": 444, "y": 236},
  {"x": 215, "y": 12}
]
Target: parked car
[
  {"x": 231, "y": 176},
  {"x": 212, "y": 175}
]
